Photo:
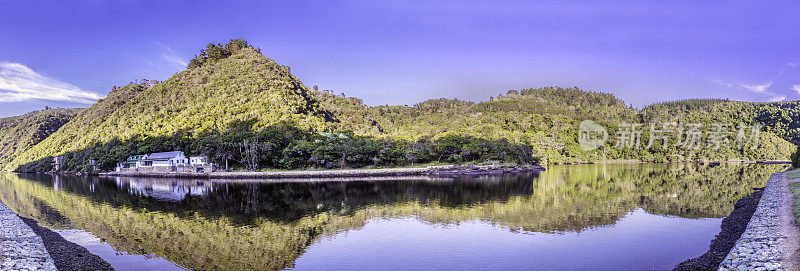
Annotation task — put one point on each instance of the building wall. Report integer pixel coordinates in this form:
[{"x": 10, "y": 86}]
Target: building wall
[
  {"x": 150, "y": 169},
  {"x": 192, "y": 169},
  {"x": 161, "y": 163}
]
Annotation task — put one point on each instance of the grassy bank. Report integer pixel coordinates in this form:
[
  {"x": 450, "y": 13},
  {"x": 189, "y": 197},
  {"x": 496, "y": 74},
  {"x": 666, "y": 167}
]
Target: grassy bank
[{"x": 794, "y": 178}]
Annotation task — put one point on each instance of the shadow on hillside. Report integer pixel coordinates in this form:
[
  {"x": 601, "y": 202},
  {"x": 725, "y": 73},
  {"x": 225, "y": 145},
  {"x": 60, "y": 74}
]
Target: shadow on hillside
[{"x": 283, "y": 145}]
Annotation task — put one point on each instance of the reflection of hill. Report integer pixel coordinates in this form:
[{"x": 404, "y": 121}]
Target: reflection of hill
[
  {"x": 266, "y": 226},
  {"x": 287, "y": 202}
]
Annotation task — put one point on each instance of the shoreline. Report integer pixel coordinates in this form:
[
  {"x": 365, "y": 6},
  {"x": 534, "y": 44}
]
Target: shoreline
[
  {"x": 66, "y": 255},
  {"x": 444, "y": 170},
  {"x": 770, "y": 241},
  {"x": 450, "y": 170},
  {"x": 22, "y": 248},
  {"x": 759, "y": 234},
  {"x": 731, "y": 229}
]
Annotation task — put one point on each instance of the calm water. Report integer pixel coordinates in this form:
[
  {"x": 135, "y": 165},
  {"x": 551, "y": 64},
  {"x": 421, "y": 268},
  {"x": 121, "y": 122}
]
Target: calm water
[{"x": 587, "y": 217}]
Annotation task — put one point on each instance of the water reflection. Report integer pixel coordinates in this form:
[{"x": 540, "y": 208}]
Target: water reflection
[{"x": 218, "y": 224}]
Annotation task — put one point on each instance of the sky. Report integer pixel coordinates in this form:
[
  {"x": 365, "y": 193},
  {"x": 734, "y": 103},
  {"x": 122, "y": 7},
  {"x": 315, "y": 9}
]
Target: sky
[{"x": 71, "y": 53}]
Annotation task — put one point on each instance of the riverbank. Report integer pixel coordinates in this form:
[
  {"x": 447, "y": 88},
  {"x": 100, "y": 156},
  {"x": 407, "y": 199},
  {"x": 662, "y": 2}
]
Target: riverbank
[
  {"x": 731, "y": 230},
  {"x": 770, "y": 241},
  {"x": 67, "y": 255},
  {"x": 450, "y": 170},
  {"x": 20, "y": 247}
]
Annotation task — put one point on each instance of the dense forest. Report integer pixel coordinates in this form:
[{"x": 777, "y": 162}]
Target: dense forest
[
  {"x": 245, "y": 111},
  {"x": 19, "y": 133}
]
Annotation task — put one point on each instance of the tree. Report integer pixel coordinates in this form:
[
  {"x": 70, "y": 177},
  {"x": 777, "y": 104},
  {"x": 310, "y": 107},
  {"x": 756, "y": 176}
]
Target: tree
[
  {"x": 234, "y": 45},
  {"x": 215, "y": 52}
]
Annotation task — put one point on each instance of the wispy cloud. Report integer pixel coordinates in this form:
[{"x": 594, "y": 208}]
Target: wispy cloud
[
  {"x": 788, "y": 66},
  {"x": 777, "y": 98},
  {"x": 758, "y": 88},
  {"x": 171, "y": 56},
  {"x": 19, "y": 83},
  {"x": 767, "y": 88}
]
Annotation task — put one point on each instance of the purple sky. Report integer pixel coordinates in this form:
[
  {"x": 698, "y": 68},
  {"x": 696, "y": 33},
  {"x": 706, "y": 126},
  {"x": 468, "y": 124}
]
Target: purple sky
[{"x": 68, "y": 53}]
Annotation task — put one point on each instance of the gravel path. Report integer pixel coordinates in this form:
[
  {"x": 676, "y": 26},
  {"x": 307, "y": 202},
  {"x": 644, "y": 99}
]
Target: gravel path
[{"x": 20, "y": 247}]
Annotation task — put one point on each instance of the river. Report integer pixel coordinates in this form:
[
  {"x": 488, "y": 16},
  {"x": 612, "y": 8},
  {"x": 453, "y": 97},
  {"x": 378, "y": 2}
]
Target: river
[{"x": 574, "y": 217}]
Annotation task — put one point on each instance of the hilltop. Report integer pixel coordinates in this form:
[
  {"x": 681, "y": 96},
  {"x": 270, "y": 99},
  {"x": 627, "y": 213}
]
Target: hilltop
[
  {"x": 244, "y": 91},
  {"x": 19, "y": 133},
  {"x": 244, "y": 110}
]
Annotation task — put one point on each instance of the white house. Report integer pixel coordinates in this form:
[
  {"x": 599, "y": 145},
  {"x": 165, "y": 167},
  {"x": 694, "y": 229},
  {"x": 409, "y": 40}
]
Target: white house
[
  {"x": 174, "y": 161},
  {"x": 172, "y": 158},
  {"x": 198, "y": 161}
]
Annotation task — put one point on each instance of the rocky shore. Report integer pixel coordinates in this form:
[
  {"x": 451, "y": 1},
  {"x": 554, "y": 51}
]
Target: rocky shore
[
  {"x": 730, "y": 231},
  {"x": 770, "y": 240},
  {"x": 67, "y": 255},
  {"x": 20, "y": 247},
  {"x": 449, "y": 170}
]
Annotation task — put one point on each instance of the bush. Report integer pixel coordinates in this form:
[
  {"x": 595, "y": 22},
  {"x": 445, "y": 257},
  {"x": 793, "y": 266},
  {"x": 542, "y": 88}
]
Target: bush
[
  {"x": 214, "y": 52},
  {"x": 796, "y": 158}
]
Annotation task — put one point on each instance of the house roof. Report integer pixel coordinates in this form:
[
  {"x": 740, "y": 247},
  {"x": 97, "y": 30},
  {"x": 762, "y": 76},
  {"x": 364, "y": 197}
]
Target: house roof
[{"x": 164, "y": 155}]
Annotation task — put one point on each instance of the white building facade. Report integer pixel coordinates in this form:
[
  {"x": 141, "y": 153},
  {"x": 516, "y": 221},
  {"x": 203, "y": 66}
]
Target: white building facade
[{"x": 174, "y": 161}]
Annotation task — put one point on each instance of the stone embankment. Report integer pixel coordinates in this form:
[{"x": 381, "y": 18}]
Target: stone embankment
[
  {"x": 731, "y": 229},
  {"x": 20, "y": 247},
  {"x": 770, "y": 240},
  {"x": 421, "y": 171}
]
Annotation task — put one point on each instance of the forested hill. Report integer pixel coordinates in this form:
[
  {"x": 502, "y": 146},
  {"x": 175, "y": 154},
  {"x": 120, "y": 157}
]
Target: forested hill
[
  {"x": 19, "y": 133},
  {"x": 245, "y": 111},
  {"x": 780, "y": 118},
  {"x": 546, "y": 121},
  {"x": 517, "y": 111},
  {"x": 242, "y": 91}
]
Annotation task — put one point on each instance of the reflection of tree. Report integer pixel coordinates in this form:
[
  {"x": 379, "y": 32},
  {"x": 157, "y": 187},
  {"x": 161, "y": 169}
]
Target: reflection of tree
[
  {"x": 267, "y": 226},
  {"x": 250, "y": 202}
]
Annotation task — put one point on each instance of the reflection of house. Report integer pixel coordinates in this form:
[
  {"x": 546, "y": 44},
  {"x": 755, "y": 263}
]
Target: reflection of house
[
  {"x": 165, "y": 189},
  {"x": 174, "y": 161}
]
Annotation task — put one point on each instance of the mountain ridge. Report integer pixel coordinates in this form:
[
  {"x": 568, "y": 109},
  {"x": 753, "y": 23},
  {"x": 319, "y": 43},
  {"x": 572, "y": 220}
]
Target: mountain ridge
[{"x": 243, "y": 109}]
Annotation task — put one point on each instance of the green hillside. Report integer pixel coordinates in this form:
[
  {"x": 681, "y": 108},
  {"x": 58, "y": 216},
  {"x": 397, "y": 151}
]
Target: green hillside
[
  {"x": 245, "y": 111},
  {"x": 245, "y": 91},
  {"x": 544, "y": 119},
  {"x": 17, "y": 134},
  {"x": 780, "y": 118}
]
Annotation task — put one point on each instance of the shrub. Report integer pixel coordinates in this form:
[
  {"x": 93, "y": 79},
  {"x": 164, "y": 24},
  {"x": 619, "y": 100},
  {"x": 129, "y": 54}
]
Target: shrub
[{"x": 214, "y": 52}]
